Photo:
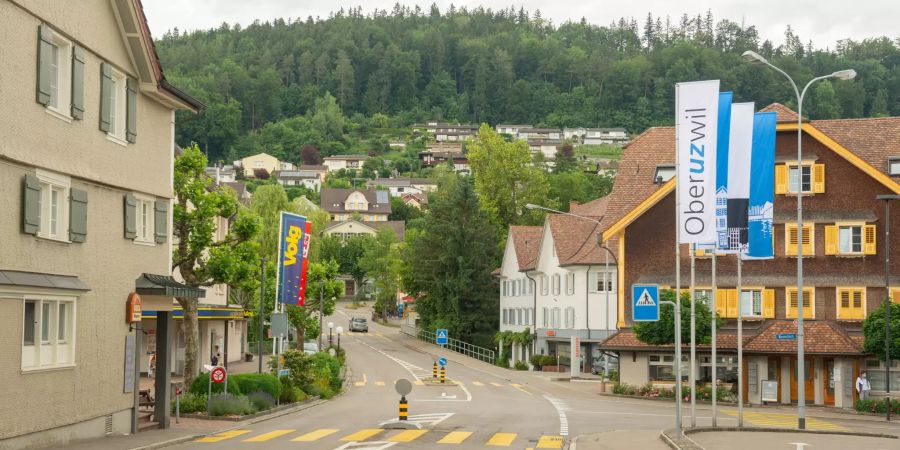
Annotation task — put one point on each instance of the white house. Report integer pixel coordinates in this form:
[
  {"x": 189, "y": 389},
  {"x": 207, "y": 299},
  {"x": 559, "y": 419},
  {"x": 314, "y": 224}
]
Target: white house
[
  {"x": 339, "y": 162},
  {"x": 595, "y": 136},
  {"x": 546, "y": 147},
  {"x": 540, "y": 133},
  {"x": 310, "y": 177},
  {"x": 400, "y": 186},
  {"x": 575, "y": 134},
  {"x": 512, "y": 130},
  {"x": 517, "y": 299}
]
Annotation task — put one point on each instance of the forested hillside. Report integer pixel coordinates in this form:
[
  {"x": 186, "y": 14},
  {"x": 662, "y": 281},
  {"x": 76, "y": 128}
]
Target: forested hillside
[{"x": 266, "y": 85}]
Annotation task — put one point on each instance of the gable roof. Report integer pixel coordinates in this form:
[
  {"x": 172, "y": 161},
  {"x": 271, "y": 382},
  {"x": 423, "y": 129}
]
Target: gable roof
[
  {"x": 820, "y": 336},
  {"x": 875, "y": 141},
  {"x": 595, "y": 208},
  {"x": 332, "y": 200},
  {"x": 783, "y": 114},
  {"x": 397, "y": 226},
  {"x": 526, "y": 241},
  {"x": 575, "y": 239}
]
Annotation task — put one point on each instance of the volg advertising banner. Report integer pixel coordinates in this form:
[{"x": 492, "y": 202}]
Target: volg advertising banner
[
  {"x": 696, "y": 118},
  {"x": 290, "y": 258},
  {"x": 306, "y": 239}
]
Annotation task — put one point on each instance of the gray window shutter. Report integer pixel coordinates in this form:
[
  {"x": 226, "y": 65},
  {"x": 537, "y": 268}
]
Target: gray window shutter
[
  {"x": 106, "y": 86},
  {"x": 161, "y": 221},
  {"x": 31, "y": 205},
  {"x": 44, "y": 64},
  {"x": 78, "y": 83},
  {"x": 78, "y": 200},
  {"x": 130, "y": 217},
  {"x": 131, "y": 111}
]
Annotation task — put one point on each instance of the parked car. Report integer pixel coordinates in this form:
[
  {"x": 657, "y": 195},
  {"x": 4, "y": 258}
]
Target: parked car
[
  {"x": 599, "y": 367},
  {"x": 359, "y": 324}
]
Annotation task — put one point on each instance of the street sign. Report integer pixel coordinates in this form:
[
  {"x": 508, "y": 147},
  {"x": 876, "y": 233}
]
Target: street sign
[
  {"x": 442, "y": 361},
  {"x": 279, "y": 324},
  {"x": 440, "y": 338},
  {"x": 645, "y": 302},
  {"x": 284, "y": 373},
  {"x": 786, "y": 336},
  {"x": 217, "y": 375},
  {"x": 403, "y": 386}
]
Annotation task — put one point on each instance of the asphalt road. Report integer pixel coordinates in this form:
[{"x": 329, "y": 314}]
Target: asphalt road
[{"x": 479, "y": 406}]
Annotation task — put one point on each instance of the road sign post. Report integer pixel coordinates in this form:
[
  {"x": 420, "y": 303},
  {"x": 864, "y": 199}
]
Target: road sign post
[
  {"x": 403, "y": 387},
  {"x": 442, "y": 361},
  {"x": 216, "y": 375},
  {"x": 441, "y": 336}
]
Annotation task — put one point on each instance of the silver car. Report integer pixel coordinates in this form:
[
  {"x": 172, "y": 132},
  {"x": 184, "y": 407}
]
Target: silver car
[{"x": 359, "y": 324}]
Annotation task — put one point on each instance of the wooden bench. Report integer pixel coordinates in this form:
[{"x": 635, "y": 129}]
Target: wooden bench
[{"x": 145, "y": 399}]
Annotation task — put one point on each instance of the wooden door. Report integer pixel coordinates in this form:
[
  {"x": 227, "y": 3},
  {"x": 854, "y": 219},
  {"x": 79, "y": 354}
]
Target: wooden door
[
  {"x": 809, "y": 384},
  {"x": 828, "y": 381},
  {"x": 773, "y": 372}
]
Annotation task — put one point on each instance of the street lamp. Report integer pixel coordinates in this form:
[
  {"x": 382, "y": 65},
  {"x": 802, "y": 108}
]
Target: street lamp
[
  {"x": 321, "y": 310},
  {"x": 330, "y": 327},
  {"x": 887, "y": 296},
  {"x": 339, "y": 331},
  {"x": 755, "y": 58}
]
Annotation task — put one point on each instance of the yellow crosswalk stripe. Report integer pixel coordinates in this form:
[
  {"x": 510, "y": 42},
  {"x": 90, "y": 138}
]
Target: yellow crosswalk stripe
[
  {"x": 379, "y": 383},
  {"x": 502, "y": 439},
  {"x": 550, "y": 442},
  {"x": 419, "y": 383},
  {"x": 315, "y": 435},
  {"x": 222, "y": 436},
  {"x": 519, "y": 387},
  {"x": 269, "y": 436},
  {"x": 784, "y": 421},
  {"x": 496, "y": 384},
  {"x": 455, "y": 437},
  {"x": 407, "y": 436},
  {"x": 478, "y": 383},
  {"x": 362, "y": 435}
]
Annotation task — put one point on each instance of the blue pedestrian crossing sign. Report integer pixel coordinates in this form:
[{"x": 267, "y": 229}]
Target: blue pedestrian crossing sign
[
  {"x": 645, "y": 302},
  {"x": 442, "y": 361},
  {"x": 440, "y": 338}
]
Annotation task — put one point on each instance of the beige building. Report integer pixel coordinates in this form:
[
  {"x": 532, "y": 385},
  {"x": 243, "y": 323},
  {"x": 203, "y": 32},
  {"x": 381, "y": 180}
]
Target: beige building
[
  {"x": 262, "y": 161},
  {"x": 348, "y": 162},
  {"x": 86, "y": 168},
  {"x": 367, "y": 205}
]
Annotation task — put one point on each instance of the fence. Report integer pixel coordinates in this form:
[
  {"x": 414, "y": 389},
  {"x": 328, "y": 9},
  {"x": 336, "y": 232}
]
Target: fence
[{"x": 455, "y": 345}]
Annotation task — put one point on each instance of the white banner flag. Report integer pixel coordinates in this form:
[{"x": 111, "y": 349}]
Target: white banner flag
[
  {"x": 696, "y": 119},
  {"x": 739, "y": 176}
]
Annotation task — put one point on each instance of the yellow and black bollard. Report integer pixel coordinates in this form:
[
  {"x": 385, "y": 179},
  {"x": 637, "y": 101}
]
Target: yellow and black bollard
[
  {"x": 404, "y": 408},
  {"x": 443, "y": 375},
  {"x": 434, "y": 371}
]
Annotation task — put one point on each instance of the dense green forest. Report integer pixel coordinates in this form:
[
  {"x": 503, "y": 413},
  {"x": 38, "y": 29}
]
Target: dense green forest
[{"x": 349, "y": 82}]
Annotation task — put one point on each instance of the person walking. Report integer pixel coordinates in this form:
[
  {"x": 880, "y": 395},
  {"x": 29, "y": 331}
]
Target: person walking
[
  {"x": 216, "y": 356},
  {"x": 862, "y": 386}
]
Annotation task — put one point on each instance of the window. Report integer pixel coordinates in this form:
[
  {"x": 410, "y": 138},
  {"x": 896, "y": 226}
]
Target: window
[
  {"x": 662, "y": 367},
  {"x": 545, "y": 317},
  {"x": 851, "y": 303},
  {"x": 570, "y": 283},
  {"x": 531, "y": 316},
  {"x": 530, "y": 283},
  {"x": 751, "y": 303},
  {"x": 726, "y": 369},
  {"x": 603, "y": 282},
  {"x": 503, "y": 315},
  {"x": 809, "y": 304},
  {"x": 48, "y": 333},
  {"x": 800, "y": 179},
  {"x": 117, "y": 102},
  {"x": 807, "y": 178},
  {"x": 545, "y": 288},
  {"x": 520, "y": 320},
  {"x": 875, "y": 372},
  {"x": 58, "y": 73},
  {"x": 556, "y": 283},
  {"x": 663, "y": 174},
  {"x": 503, "y": 288},
  {"x": 702, "y": 296},
  {"x": 895, "y": 166},
  {"x": 554, "y": 318},
  {"x": 790, "y": 239},
  {"x": 53, "y": 206},
  {"x": 145, "y": 220},
  {"x": 850, "y": 239}
]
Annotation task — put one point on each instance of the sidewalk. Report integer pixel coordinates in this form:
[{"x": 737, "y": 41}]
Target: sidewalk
[
  {"x": 620, "y": 439},
  {"x": 186, "y": 429}
]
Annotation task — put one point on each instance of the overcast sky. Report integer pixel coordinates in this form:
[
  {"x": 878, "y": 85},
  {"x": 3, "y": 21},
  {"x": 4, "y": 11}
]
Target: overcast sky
[{"x": 823, "y": 21}]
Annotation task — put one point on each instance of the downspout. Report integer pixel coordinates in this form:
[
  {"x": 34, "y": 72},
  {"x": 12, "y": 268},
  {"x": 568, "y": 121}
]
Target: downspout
[
  {"x": 587, "y": 297},
  {"x": 533, "y": 315}
]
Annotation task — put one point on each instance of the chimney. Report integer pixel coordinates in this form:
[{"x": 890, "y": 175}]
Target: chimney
[{"x": 572, "y": 205}]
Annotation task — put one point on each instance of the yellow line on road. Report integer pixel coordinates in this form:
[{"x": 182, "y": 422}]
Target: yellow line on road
[
  {"x": 379, "y": 383},
  {"x": 478, "y": 383},
  {"x": 315, "y": 435},
  {"x": 550, "y": 442},
  {"x": 222, "y": 436},
  {"x": 455, "y": 437},
  {"x": 419, "y": 383},
  {"x": 496, "y": 384},
  {"x": 362, "y": 435},
  {"x": 407, "y": 436},
  {"x": 519, "y": 387},
  {"x": 502, "y": 439},
  {"x": 269, "y": 436},
  {"x": 361, "y": 383}
]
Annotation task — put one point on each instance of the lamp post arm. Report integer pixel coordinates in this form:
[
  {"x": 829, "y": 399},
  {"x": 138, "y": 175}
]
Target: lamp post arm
[{"x": 793, "y": 85}]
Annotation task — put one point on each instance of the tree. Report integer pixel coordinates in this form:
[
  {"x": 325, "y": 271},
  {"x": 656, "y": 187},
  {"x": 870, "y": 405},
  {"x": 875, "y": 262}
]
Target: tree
[
  {"x": 401, "y": 211},
  {"x": 199, "y": 258},
  {"x": 344, "y": 74},
  {"x": 327, "y": 118},
  {"x": 309, "y": 154},
  {"x": 505, "y": 179},
  {"x": 381, "y": 263},
  {"x": 826, "y": 104},
  {"x": 565, "y": 159},
  {"x": 662, "y": 332},
  {"x": 350, "y": 255},
  {"x": 873, "y": 332},
  {"x": 447, "y": 265}
]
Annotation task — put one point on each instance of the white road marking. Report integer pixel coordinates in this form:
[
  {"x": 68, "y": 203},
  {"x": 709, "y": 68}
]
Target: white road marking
[
  {"x": 375, "y": 445},
  {"x": 412, "y": 367},
  {"x": 431, "y": 419},
  {"x": 561, "y": 409}
]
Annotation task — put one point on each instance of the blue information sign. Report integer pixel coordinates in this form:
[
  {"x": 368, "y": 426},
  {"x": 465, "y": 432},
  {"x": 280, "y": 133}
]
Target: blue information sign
[
  {"x": 442, "y": 361},
  {"x": 440, "y": 338},
  {"x": 786, "y": 336},
  {"x": 645, "y": 302}
]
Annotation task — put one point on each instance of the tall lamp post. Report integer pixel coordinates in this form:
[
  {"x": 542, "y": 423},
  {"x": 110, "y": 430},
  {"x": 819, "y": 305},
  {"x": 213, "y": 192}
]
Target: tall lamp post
[
  {"x": 755, "y": 58},
  {"x": 887, "y": 296},
  {"x": 330, "y": 328}
]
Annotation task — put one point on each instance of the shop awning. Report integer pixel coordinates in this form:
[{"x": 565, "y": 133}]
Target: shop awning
[
  {"x": 41, "y": 280},
  {"x": 165, "y": 286}
]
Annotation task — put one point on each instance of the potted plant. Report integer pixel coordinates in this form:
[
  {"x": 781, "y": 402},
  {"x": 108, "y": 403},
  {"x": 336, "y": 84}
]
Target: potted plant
[{"x": 248, "y": 356}]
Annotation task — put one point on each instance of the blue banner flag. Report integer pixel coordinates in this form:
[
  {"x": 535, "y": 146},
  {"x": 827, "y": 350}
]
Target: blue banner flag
[
  {"x": 290, "y": 258},
  {"x": 762, "y": 187},
  {"x": 722, "y": 137}
]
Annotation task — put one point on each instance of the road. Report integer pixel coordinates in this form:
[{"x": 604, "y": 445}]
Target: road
[{"x": 479, "y": 406}]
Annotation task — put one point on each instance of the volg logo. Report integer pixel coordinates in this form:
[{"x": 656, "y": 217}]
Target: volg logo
[{"x": 293, "y": 237}]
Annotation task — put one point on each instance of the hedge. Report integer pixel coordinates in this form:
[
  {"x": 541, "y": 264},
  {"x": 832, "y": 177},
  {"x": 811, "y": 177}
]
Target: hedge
[
  {"x": 200, "y": 385},
  {"x": 256, "y": 382}
]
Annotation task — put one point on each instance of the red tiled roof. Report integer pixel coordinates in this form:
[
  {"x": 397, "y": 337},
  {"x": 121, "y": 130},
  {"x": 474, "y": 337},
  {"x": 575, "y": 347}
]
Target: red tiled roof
[
  {"x": 625, "y": 339},
  {"x": 594, "y": 208},
  {"x": 575, "y": 239},
  {"x": 823, "y": 337},
  {"x": 783, "y": 114},
  {"x": 527, "y": 242},
  {"x": 875, "y": 140}
]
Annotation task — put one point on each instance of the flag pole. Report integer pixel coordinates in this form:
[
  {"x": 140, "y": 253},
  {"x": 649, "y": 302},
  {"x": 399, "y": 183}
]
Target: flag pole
[
  {"x": 740, "y": 347},
  {"x": 712, "y": 307},
  {"x": 692, "y": 375},
  {"x": 678, "y": 392}
]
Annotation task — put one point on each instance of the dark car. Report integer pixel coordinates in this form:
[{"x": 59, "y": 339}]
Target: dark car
[{"x": 359, "y": 324}]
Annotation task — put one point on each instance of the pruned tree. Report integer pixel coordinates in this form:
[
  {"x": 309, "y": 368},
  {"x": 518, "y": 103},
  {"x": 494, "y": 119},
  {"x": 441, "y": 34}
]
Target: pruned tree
[{"x": 662, "y": 331}]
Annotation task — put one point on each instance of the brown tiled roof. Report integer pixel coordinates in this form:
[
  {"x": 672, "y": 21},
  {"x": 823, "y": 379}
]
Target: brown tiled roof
[
  {"x": 634, "y": 179},
  {"x": 594, "y": 208},
  {"x": 527, "y": 242},
  {"x": 575, "y": 239},
  {"x": 823, "y": 337},
  {"x": 332, "y": 200},
  {"x": 398, "y": 226},
  {"x": 625, "y": 339},
  {"x": 783, "y": 114},
  {"x": 875, "y": 140}
]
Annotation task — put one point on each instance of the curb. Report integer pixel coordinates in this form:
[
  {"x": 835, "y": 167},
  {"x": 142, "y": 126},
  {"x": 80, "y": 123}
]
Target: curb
[
  {"x": 669, "y": 436},
  {"x": 676, "y": 443}
]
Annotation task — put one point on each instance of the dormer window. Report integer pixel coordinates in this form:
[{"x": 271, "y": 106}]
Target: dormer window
[{"x": 663, "y": 174}]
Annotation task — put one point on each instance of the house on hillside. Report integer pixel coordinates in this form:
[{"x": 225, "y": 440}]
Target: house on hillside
[
  {"x": 310, "y": 177},
  {"x": 433, "y": 159},
  {"x": 540, "y": 133},
  {"x": 400, "y": 186},
  {"x": 447, "y": 132},
  {"x": 418, "y": 201},
  {"x": 348, "y": 162},
  {"x": 368, "y": 204},
  {"x": 546, "y": 147},
  {"x": 512, "y": 130},
  {"x": 254, "y": 165},
  {"x": 596, "y": 136},
  {"x": 847, "y": 163},
  {"x": 221, "y": 174}
]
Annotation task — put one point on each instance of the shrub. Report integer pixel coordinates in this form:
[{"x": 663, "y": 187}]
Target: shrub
[
  {"x": 329, "y": 368},
  {"x": 261, "y": 400},
  {"x": 293, "y": 394},
  {"x": 537, "y": 361},
  {"x": 256, "y": 382},
  {"x": 191, "y": 403},
  {"x": 623, "y": 389},
  {"x": 646, "y": 390},
  {"x": 521, "y": 365},
  {"x": 201, "y": 384},
  {"x": 300, "y": 365},
  {"x": 705, "y": 393},
  {"x": 614, "y": 375},
  {"x": 877, "y": 406},
  {"x": 228, "y": 404}
]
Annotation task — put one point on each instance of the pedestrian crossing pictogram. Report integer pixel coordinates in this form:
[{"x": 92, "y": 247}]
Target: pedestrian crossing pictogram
[{"x": 645, "y": 299}]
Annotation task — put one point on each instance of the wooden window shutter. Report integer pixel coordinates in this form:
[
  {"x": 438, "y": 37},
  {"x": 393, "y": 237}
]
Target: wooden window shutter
[
  {"x": 131, "y": 111},
  {"x": 161, "y": 221},
  {"x": 791, "y": 303},
  {"x": 781, "y": 179},
  {"x": 31, "y": 205},
  {"x": 106, "y": 87},
  {"x": 808, "y": 248},
  {"x": 45, "y": 64},
  {"x": 130, "y": 217},
  {"x": 831, "y": 239},
  {"x": 790, "y": 239},
  {"x": 732, "y": 305},
  {"x": 78, "y": 201},
  {"x": 768, "y": 303},
  {"x": 869, "y": 239},
  {"x": 818, "y": 178},
  {"x": 722, "y": 302},
  {"x": 78, "y": 58}
]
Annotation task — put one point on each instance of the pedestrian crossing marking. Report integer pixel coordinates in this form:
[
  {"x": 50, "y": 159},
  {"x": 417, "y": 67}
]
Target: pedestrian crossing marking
[
  {"x": 407, "y": 436},
  {"x": 269, "y": 436},
  {"x": 502, "y": 439},
  {"x": 785, "y": 421},
  {"x": 550, "y": 442},
  {"x": 362, "y": 435},
  {"x": 315, "y": 435},
  {"x": 478, "y": 383},
  {"x": 361, "y": 383},
  {"x": 419, "y": 383},
  {"x": 455, "y": 437},
  {"x": 222, "y": 436},
  {"x": 379, "y": 383},
  {"x": 519, "y": 387},
  {"x": 496, "y": 384}
]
